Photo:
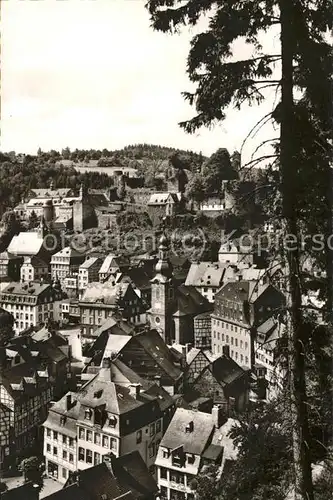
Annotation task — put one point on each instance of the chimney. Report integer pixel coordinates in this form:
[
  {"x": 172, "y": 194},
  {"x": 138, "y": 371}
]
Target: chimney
[
  {"x": 158, "y": 380},
  {"x": 188, "y": 347},
  {"x": 226, "y": 350},
  {"x": 68, "y": 402},
  {"x": 135, "y": 390},
  {"x": 218, "y": 416}
]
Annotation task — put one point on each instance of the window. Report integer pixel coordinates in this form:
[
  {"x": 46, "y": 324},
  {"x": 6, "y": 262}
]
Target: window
[
  {"x": 152, "y": 429},
  {"x": 151, "y": 450},
  {"x": 64, "y": 473},
  {"x": 241, "y": 358},
  {"x": 71, "y": 442},
  {"x": 71, "y": 458},
  {"x": 97, "y": 438},
  {"x": 236, "y": 342},
  {"x": 245, "y": 345},
  {"x": 165, "y": 454},
  {"x": 64, "y": 455},
  {"x": 112, "y": 421},
  {"x": 232, "y": 340},
  {"x": 81, "y": 454},
  {"x": 87, "y": 414},
  {"x": 89, "y": 436},
  {"x": 158, "y": 426},
  {"x": 190, "y": 459},
  {"x": 55, "y": 435},
  {"x": 48, "y": 432},
  {"x": 113, "y": 443},
  {"x": 89, "y": 457},
  {"x": 227, "y": 339},
  {"x": 138, "y": 436},
  {"x": 55, "y": 450},
  {"x": 81, "y": 433},
  {"x": 105, "y": 442},
  {"x": 97, "y": 458},
  {"x": 223, "y": 337},
  {"x": 48, "y": 448},
  {"x": 64, "y": 440},
  {"x": 241, "y": 344}
]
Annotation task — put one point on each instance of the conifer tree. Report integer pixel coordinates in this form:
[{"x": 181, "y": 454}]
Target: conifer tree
[{"x": 222, "y": 80}]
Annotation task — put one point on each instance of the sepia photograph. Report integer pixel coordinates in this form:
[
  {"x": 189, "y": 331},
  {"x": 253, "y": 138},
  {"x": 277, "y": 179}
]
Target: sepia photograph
[{"x": 166, "y": 250}]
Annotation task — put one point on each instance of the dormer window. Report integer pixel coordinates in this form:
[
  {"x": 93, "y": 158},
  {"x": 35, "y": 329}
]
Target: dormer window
[
  {"x": 87, "y": 414},
  {"x": 191, "y": 459},
  {"x": 189, "y": 428},
  {"x": 112, "y": 421}
]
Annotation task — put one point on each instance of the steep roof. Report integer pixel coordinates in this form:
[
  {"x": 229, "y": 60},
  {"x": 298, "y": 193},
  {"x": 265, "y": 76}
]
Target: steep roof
[
  {"x": 68, "y": 252},
  {"x": 162, "y": 198},
  {"x": 242, "y": 290},
  {"x": 226, "y": 370},
  {"x": 193, "y": 442},
  {"x": 51, "y": 193},
  {"x": 104, "y": 292},
  {"x": 188, "y": 301},
  {"x": 154, "y": 345},
  {"x": 205, "y": 274},
  {"x": 90, "y": 261},
  {"x": 26, "y": 243},
  {"x": 34, "y": 289}
]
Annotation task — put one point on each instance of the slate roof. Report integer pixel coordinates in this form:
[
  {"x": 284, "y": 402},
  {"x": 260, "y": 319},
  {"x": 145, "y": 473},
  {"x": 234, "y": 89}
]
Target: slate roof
[
  {"x": 116, "y": 327},
  {"x": 153, "y": 344},
  {"x": 188, "y": 302},
  {"x": 22, "y": 289},
  {"x": 226, "y": 370},
  {"x": 208, "y": 274},
  {"x": 23, "y": 492},
  {"x": 90, "y": 261},
  {"x": 26, "y": 243},
  {"x": 162, "y": 198},
  {"x": 242, "y": 291},
  {"x": 51, "y": 193},
  {"x": 193, "y": 442},
  {"x": 105, "y": 291},
  {"x": 68, "y": 252}
]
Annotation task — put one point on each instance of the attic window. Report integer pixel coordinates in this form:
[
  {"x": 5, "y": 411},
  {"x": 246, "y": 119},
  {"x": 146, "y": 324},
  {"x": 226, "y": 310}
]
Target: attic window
[
  {"x": 189, "y": 427},
  {"x": 98, "y": 394},
  {"x": 87, "y": 414},
  {"x": 62, "y": 420},
  {"x": 112, "y": 421}
]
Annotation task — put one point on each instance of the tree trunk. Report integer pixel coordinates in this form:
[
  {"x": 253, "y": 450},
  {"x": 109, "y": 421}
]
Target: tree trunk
[
  {"x": 288, "y": 162},
  {"x": 329, "y": 247}
]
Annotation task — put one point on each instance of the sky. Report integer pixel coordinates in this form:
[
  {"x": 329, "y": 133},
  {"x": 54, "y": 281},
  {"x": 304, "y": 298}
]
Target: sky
[{"x": 92, "y": 74}]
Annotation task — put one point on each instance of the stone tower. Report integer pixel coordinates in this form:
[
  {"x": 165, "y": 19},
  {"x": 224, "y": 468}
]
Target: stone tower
[{"x": 162, "y": 293}]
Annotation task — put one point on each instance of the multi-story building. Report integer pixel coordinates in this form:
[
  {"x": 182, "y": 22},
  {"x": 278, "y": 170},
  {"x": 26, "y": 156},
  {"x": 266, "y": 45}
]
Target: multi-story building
[
  {"x": 112, "y": 264},
  {"x": 4, "y": 434},
  {"x": 88, "y": 272},
  {"x": 34, "y": 269},
  {"x": 202, "y": 331},
  {"x": 10, "y": 266},
  {"x": 187, "y": 446},
  {"x": 101, "y": 300},
  {"x": 31, "y": 303},
  {"x": 206, "y": 277},
  {"x": 239, "y": 309},
  {"x": 70, "y": 285},
  {"x": 26, "y": 391},
  {"x": 66, "y": 262},
  {"x": 108, "y": 413}
]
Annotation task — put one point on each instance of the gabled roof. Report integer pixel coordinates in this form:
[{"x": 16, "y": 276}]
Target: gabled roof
[
  {"x": 33, "y": 289},
  {"x": 188, "y": 301},
  {"x": 68, "y": 252},
  {"x": 193, "y": 442},
  {"x": 104, "y": 292},
  {"x": 90, "y": 261},
  {"x": 243, "y": 291},
  {"x": 115, "y": 326},
  {"x": 26, "y": 243},
  {"x": 163, "y": 198},
  {"x": 226, "y": 370},
  {"x": 208, "y": 274},
  {"x": 153, "y": 344},
  {"x": 51, "y": 193}
]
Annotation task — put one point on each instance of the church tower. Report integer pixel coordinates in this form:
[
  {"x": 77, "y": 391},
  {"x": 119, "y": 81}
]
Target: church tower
[{"x": 162, "y": 293}]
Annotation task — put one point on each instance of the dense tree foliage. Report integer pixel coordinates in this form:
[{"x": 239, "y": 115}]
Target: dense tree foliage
[{"x": 300, "y": 152}]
